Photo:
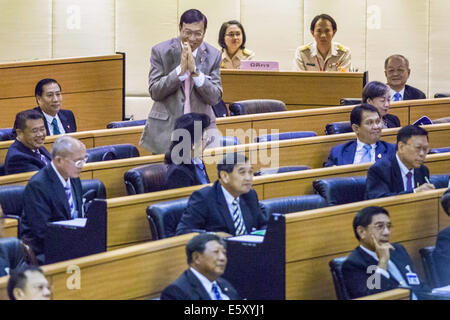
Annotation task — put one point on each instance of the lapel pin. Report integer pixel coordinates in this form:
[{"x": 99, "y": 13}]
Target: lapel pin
[{"x": 379, "y": 156}]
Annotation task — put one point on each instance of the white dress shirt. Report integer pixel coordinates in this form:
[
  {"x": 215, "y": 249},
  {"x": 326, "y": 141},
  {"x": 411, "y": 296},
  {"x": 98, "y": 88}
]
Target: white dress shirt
[
  {"x": 393, "y": 92},
  {"x": 404, "y": 170},
  {"x": 49, "y": 119},
  {"x": 360, "y": 151},
  {"x": 208, "y": 285}
]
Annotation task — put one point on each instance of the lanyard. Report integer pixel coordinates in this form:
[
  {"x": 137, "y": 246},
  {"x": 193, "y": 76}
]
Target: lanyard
[{"x": 320, "y": 67}]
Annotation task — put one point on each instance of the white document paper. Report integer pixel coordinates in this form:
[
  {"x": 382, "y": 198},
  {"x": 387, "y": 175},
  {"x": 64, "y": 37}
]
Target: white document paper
[
  {"x": 248, "y": 238},
  {"x": 78, "y": 222}
]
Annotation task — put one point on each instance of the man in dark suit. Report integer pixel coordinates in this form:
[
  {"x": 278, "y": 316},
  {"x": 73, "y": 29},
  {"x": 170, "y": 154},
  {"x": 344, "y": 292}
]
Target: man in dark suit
[
  {"x": 49, "y": 99},
  {"x": 397, "y": 71},
  {"x": 366, "y": 123},
  {"x": 54, "y": 193},
  {"x": 28, "y": 283},
  {"x": 207, "y": 259},
  {"x": 376, "y": 265},
  {"x": 442, "y": 251},
  {"x": 184, "y": 77},
  {"x": 27, "y": 152},
  {"x": 230, "y": 205},
  {"x": 404, "y": 171}
]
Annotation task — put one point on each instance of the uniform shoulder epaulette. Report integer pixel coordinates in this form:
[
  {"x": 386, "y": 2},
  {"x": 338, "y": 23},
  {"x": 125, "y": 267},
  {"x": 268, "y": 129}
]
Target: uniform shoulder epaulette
[
  {"x": 342, "y": 48},
  {"x": 305, "y": 47},
  {"x": 247, "y": 52}
]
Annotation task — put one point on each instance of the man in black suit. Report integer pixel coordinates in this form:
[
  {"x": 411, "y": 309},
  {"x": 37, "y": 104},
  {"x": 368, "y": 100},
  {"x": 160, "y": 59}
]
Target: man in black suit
[
  {"x": 441, "y": 253},
  {"x": 397, "y": 71},
  {"x": 54, "y": 193},
  {"x": 49, "y": 99},
  {"x": 376, "y": 265},
  {"x": 366, "y": 123},
  {"x": 207, "y": 259},
  {"x": 27, "y": 152},
  {"x": 404, "y": 171},
  {"x": 230, "y": 205}
]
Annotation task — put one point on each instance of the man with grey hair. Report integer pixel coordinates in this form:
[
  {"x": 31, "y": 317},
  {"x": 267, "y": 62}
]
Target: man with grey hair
[
  {"x": 54, "y": 193},
  {"x": 397, "y": 71}
]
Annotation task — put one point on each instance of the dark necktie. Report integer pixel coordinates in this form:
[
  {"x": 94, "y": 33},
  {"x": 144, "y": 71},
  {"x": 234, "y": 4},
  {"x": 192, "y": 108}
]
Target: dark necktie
[
  {"x": 55, "y": 126},
  {"x": 200, "y": 172},
  {"x": 42, "y": 157},
  {"x": 409, "y": 184}
]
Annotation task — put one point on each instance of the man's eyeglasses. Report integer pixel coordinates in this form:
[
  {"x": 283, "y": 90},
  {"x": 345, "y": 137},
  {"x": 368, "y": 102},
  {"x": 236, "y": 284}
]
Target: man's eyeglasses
[
  {"x": 79, "y": 163},
  {"x": 189, "y": 33}
]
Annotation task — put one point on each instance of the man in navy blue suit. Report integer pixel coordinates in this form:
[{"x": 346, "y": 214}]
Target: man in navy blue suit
[
  {"x": 49, "y": 99},
  {"x": 366, "y": 123},
  {"x": 54, "y": 193},
  {"x": 442, "y": 251},
  {"x": 404, "y": 171},
  {"x": 376, "y": 265},
  {"x": 397, "y": 71},
  {"x": 27, "y": 152},
  {"x": 207, "y": 259},
  {"x": 230, "y": 205}
]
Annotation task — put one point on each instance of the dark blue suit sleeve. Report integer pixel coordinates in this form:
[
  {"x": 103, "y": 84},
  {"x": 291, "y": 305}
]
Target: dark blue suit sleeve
[
  {"x": 442, "y": 256},
  {"x": 378, "y": 185},
  {"x": 332, "y": 159},
  {"x": 173, "y": 292},
  {"x": 19, "y": 164},
  {"x": 195, "y": 215}
]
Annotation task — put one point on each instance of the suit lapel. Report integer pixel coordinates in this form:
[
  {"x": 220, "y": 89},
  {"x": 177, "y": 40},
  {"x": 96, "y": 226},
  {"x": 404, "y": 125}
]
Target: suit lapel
[
  {"x": 348, "y": 156},
  {"x": 64, "y": 121},
  {"x": 246, "y": 214},
  {"x": 197, "y": 286},
  {"x": 370, "y": 261},
  {"x": 222, "y": 208},
  {"x": 58, "y": 189},
  {"x": 397, "y": 178},
  {"x": 380, "y": 150}
]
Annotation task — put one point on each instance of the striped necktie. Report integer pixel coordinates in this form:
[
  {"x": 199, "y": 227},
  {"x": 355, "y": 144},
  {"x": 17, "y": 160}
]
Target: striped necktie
[
  {"x": 238, "y": 221},
  {"x": 397, "y": 96},
  {"x": 409, "y": 184},
  {"x": 68, "y": 191},
  {"x": 42, "y": 157}
]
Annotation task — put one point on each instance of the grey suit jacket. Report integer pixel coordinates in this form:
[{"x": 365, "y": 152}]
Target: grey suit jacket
[{"x": 167, "y": 91}]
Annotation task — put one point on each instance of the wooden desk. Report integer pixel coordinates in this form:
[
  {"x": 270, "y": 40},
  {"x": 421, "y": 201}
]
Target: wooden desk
[
  {"x": 128, "y": 224},
  {"x": 92, "y": 88},
  {"x": 298, "y": 90},
  {"x": 145, "y": 269},
  {"x": 415, "y": 218},
  {"x": 9, "y": 228},
  {"x": 395, "y": 294}
]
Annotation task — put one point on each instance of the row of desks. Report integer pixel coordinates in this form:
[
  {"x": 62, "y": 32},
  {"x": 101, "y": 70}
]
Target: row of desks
[
  {"x": 312, "y": 152},
  {"x": 127, "y": 221},
  {"x": 248, "y": 127},
  {"x": 312, "y": 239}
]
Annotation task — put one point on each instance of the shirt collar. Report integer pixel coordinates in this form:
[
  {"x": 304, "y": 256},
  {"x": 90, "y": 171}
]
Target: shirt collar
[
  {"x": 369, "y": 252},
  {"x": 360, "y": 145},
  {"x": 332, "y": 52},
  {"x": 228, "y": 197},
  {"x": 392, "y": 92},
  {"x": 48, "y": 117},
  {"x": 403, "y": 169},
  {"x": 65, "y": 183},
  {"x": 204, "y": 281}
]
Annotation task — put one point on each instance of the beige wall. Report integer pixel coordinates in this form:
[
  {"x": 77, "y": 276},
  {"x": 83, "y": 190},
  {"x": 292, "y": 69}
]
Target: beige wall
[{"x": 373, "y": 29}]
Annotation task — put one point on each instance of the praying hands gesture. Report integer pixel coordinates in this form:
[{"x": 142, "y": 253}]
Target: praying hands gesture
[{"x": 187, "y": 59}]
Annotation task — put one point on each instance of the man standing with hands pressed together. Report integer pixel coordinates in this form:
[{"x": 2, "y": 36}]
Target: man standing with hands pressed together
[{"x": 184, "y": 77}]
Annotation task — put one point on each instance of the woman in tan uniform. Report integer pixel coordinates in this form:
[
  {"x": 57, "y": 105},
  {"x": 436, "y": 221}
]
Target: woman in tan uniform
[{"x": 232, "y": 40}]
